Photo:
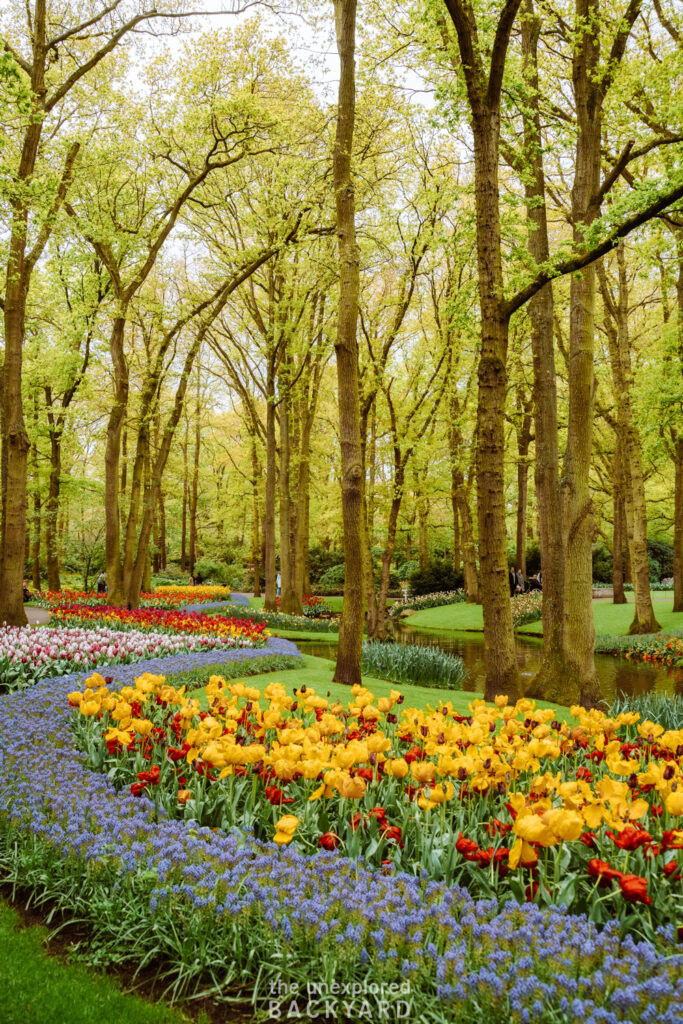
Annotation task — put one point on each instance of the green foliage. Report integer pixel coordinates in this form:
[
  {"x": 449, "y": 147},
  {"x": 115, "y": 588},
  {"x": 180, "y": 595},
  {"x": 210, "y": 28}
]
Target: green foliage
[
  {"x": 408, "y": 663},
  {"x": 407, "y": 570},
  {"x": 602, "y": 564},
  {"x": 665, "y": 709},
  {"x": 321, "y": 559},
  {"x": 661, "y": 553},
  {"x": 212, "y": 570},
  {"x": 437, "y": 577},
  {"x": 333, "y": 577}
]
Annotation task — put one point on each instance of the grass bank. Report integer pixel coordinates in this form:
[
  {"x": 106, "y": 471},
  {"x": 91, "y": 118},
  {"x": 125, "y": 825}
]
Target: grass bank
[
  {"x": 317, "y": 673},
  {"x": 37, "y": 988},
  {"x": 610, "y": 619}
]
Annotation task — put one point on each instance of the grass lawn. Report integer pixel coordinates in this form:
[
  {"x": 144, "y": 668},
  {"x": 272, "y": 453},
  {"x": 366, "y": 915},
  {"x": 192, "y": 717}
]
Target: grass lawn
[
  {"x": 333, "y": 603},
  {"x": 448, "y": 616},
  {"x": 614, "y": 619},
  {"x": 318, "y": 672},
  {"x": 36, "y": 988},
  {"x": 610, "y": 619}
]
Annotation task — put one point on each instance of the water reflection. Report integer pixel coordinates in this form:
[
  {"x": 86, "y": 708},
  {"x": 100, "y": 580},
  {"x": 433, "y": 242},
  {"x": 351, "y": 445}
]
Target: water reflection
[{"x": 617, "y": 675}]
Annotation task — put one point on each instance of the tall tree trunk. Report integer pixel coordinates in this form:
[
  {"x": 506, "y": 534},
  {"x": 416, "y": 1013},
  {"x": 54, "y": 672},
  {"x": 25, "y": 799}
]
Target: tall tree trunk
[
  {"x": 255, "y": 515},
  {"x": 541, "y": 315},
  {"x": 112, "y": 456},
  {"x": 469, "y": 551},
  {"x": 348, "y": 666},
  {"x": 194, "y": 494},
  {"x": 619, "y": 533},
  {"x": 269, "y": 514},
  {"x": 35, "y": 547},
  {"x": 616, "y": 325},
  {"x": 581, "y": 682},
  {"x": 502, "y": 674},
  {"x": 162, "y": 530},
  {"x": 52, "y": 511},
  {"x": 523, "y": 443},
  {"x": 186, "y": 490},
  {"x": 678, "y": 526}
]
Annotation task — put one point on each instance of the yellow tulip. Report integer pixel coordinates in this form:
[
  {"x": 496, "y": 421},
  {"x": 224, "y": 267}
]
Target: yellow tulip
[
  {"x": 674, "y": 803},
  {"x": 289, "y": 824},
  {"x": 396, "y": 767}
]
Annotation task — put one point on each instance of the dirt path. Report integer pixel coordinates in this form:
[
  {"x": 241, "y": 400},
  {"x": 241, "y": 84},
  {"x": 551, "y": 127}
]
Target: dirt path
[{"x": 37, "y": 616}]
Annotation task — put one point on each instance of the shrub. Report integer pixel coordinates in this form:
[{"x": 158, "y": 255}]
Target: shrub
[
  {"x": 437, "y": 577},
  {"x": 407, "y": 570},
  {"x": 321, "y": 559},
  {"x": 603, "y": 564},
  {"x": 333, "y": 577},
  {"x": 219, "y": 572},
  {"x": 408, "y": 663},
  {"x": 661, "y": 551}
]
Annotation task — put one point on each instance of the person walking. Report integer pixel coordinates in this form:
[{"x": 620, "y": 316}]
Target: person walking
[
  {"x": 278, "y": 584},
  {"x": 101, "y": 584},
  {"x": 513, "y": 581},
  {"x": 520, "y": 581}
]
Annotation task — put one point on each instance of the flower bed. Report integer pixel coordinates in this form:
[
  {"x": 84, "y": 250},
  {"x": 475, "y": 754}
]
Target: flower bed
[
  {"x": 29, "y": 654},
  {"x": 655, "y": 648},
  {"x": 279, "y": 620},
  {"x": 509, "y": 801},
  {"x": 417, "y": 604},
  {"x": 219, "y": 912},
  {"x": 161, "y": 620},
  {"x": 527, "y": 608},
  {"x": 160, "y": 597}
]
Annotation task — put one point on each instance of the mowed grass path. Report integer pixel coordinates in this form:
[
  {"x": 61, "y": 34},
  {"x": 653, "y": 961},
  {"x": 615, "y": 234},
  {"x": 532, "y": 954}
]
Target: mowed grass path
[
  {"x": 36, "y": 988},
  {"x": 317, "y": 673},
  {"x": 610, "y": 619}
]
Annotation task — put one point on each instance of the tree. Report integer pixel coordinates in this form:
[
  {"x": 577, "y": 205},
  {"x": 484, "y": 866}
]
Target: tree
[{"x": 347, "y": 669}]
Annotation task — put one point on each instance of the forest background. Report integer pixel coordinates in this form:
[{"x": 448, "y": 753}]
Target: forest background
[{"x": 170, "y": 279}]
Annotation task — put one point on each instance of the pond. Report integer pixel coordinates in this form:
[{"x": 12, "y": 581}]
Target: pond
[{"x": 617, "y": 675}]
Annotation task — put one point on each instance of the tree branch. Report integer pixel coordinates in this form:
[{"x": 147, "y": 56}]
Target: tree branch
[
  {"x": 48, "y": 223},
  {"x": 582, "y": 260}
]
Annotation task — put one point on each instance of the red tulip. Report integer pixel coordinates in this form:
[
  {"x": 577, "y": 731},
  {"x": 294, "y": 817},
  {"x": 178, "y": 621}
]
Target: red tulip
[
  {"x": 602, "y": 871},
  {"x": 328, "y": 841},
  {"x": 631, "y": 838},
  {"x": 634, "y": 889}
]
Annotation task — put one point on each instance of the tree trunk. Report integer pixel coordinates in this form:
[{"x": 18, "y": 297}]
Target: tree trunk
[
  {"x": 469, "y": 550},
  {"x": 194, "y": 495},
  {"x": 269, "y": 516},
  {"x": 678, "y": 526},
  {"x": 523, "y": 442},
  {"x": 581, "y": 681},
  {"x": 502, "y": 675},
  {"x": 255, "y": 515},
  {"x": 619, "y": 534},
  {"x": 348, "y": 666},
  {"x": 616, "y": 326},
  {"x": 186, "y": 489},
  {"x": 112, "y": 455},
  {"x": 35, "y": 548},
  {"x": 52, "y": 511},
  {"x": 548, "y": 682}
]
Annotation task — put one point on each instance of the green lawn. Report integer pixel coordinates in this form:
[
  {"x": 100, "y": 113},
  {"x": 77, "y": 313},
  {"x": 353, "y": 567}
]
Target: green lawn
[
  {"x": 610, "y": 619},
  {"x": 36, "y": 988},
  {"x": 318, "y": 672},
  {"x": 333, "y": 603}
]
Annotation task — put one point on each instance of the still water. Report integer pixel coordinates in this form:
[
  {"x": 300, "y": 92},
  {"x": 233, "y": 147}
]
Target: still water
[{"x": 617, "y": 675}]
